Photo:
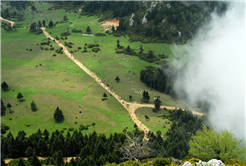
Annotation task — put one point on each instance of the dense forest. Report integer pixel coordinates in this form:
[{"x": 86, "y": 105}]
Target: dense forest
[{"x": 145, "y": 21}]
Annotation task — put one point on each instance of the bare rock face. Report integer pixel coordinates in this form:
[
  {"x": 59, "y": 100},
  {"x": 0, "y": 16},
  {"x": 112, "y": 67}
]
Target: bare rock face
[{"x": 213, "y": 162}]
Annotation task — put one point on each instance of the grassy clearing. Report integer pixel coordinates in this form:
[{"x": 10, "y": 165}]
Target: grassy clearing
[
  {"x": 60, "y": 82},
  {"x": 154, "y": 123}
]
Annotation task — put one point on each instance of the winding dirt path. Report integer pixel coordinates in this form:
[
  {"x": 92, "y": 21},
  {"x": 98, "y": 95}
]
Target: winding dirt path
[
  {"x": 11, "y": 22},
  {"x": 130, "y": 107}
]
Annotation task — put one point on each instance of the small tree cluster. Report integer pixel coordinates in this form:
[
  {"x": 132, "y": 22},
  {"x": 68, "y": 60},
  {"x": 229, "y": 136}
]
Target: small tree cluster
[{"x": 146, "y": 96}]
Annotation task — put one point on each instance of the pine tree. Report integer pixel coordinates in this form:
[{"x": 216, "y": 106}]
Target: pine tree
[
  {"x": 58, "y": 157},
  {"x": 46, "y": 134},
  {"x": 51, "y": 24},
  {"x": 157, "y": 103},
  {"x": 2, "y": 161},
  {"x": 4, "y": 86},
  {"x": 3, "y": 108},
  {"x": 72, "y": 162},
  {"x": 58, "y": 115},
  {"x": 44, "y": 22},
  {"x": 65, "y": 18},
  {"x": 19, "y": 96},
  {"x": 88, "y": 29},
  {"x": 117, "y": 79},
  {"x": 21, "y": 162},
  {"x": 113, "y": 29},
  {"x": 130, "y": 97},
  {"x": 34, "y": 160},
  {"x": 13, "y": 151},
  {"x": 33, "y": 106},
  {"x": 9, "y": 106},
  {"x": 135, "y": 125},
  {"x": 128, "y": 49},
  {"x": 29, "y": 152},
  {"x": 141, "y": 49},
  {"x": 105, "y": 95},
  {"x": 39, "y": 24},
  {"x": 42, "y": 147}
]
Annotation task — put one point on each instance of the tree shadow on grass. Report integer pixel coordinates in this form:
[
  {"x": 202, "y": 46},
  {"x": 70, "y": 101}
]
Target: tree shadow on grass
[{"x": 21, "y": 100}]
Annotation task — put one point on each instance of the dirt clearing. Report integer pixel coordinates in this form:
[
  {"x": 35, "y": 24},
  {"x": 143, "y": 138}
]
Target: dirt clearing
[{"x": 107, "y": 25}]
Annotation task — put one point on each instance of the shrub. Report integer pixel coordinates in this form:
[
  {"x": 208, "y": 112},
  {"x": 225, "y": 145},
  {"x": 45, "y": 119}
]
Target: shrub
[
  {"x": 76, "y": 117},
  {"x": 65, "y": 34},
  {"x": 62, "y": 131},
  {"x": 30, "y": 50},
  {"x": 76, "y": 31},
  {"x": 54, "y": 54},
  {"x": 51, "y": 48},
  {"x": 85, "y": 48},
  {"x": 85, "y": 44},
  {"x": 70, "y": 128},
  {"x": 79, "y": 48},
  {"x": 95, "y": 49},
  {"x": 5, "y": 127},
  {"x": 28, "y": 125},
  {"x": 80, "y": 112},
  {"x": 75, "y": 122},
  {"x": 64, "y": 128},
  {"x": 71, "y": 51},
  {"x": 100, "y": 34},
  {"x": 46, "y": 48},
  {"x": 83, "y": 51},
  {"x": 91, "y": 45}
]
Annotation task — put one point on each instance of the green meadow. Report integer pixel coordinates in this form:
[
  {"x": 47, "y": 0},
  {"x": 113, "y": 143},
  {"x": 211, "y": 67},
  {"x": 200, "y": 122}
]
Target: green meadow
[{"x": 58, "y": 82}]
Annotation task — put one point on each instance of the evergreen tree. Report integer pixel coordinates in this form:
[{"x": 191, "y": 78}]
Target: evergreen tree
[
  {"x": 88, "y": 29},
  {"x": 113, "y": 29},
  {"x": 21, "y": 162},
  {"x": 157, "y": 103},
  {"x": 135, "y": 125},
  {"x": 117, "y": 79},
  {"x": 33, "y": 106},
  {"x": 128, "y": 49},
  {"x": 9, "y": 106},
  {"x": 51, "y": 24},
  {"x": 65, "y": 18},
  {"x": 2, "y": 161},
  {"x": 141, "y": 49},
  {"x": 13, "y": 151},
  {"x": 105, "y": 95},
  {"x": 130, "y": 97},
  {"x": 150, "y": 54},
  {"x": 3, "y": 108},
  {"x": 33, "y": 27},
  {"x": 44, "y": 23},
  {"x": 19, "y": 96},
  {"x": 58, "y": 115},
  {"x": 118, "y": 44},
  {"x": 46, "y": 134},
  {"x": 58, "y": 157},
  {"x": 72, "y": 162},
  {"x": 39, "y": 24},
  {"x": 29, "y": 152},
  {"x": 4, "y": 86},
  {"x": 34, "y": 160},
  {"x": 42, "y": 147}
]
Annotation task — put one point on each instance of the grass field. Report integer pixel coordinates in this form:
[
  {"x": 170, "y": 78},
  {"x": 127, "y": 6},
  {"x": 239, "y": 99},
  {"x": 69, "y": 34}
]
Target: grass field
[{"x": 58, "y": 82}]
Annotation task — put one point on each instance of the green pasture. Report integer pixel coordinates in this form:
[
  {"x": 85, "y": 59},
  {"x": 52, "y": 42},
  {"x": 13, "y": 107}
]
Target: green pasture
[
  {"x": 154, "y": 123},
  {"x": 57, "y": 81}
]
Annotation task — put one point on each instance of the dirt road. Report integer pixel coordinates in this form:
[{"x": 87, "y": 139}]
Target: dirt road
[
  {"x": 65, "y": 159},
  {"x": 11, "y": 22}
]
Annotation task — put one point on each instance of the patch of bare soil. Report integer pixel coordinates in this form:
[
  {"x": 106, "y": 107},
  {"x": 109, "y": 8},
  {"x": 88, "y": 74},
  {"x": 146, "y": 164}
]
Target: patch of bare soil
[{"x": 107, "y": 25}]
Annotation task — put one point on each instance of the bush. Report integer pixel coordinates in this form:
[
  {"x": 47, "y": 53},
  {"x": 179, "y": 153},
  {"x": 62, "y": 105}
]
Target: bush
[
  {"x": 80, "y": 112},
  {"x": 62, "y": 131},
  {"x": 10, "y": 118},
  {"x": 30, "y": 50},
  {"x": 79, "y": 48},
  {"x": 64, "y": 128},
  {"x": 76, "y": 31},
  {"x": 71, "y": 51},
  {"x": 95, "y": 49},
  {"x": 85, "y": 48},
  {"x": 75, "y": 122},
  {"x": 65, "y": 34},
  {"x": 100, "y": 34},
  {"x": 83, "y": 51},
  {"x": 51, "y": 48},
  {"x": 54, "y": 54},
  {"x": 70, "y": 128},
  {"x": 28, "y": 125},
  {"x": 91, "y": 45},
  {"x": 46, "y": 48}
]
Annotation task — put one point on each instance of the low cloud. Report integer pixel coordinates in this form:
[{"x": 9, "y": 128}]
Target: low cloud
[{"x": 215, "y": 69}]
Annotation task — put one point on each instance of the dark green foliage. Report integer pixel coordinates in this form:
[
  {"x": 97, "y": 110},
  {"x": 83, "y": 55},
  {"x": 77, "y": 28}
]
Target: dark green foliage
[
  {"x": 65, "y": 34},
  {"x": 58, "y": 157},
  {"x": 3, "y": 108},
  {"x": 141, "y": 49},
  {"x": 9, "y": 106},
  {"x": 146, "y": 117},
  {"x": 88, "y": 29},
  {"x": 51, "y": 24},
  {"x": 105, "y": 95},
  {"x": 34, "y": 160},
  {"x": 21, "y": 162},
  {"x": 29, "y": 152},
  {"x": 58, "y": 115},
  {"x": 130, "y": 97},
  {"x": 157, "y": 79},
  {"x": 77, "y": 31},
  {"x": 19, "y": 96},
  {"x": 100, "y": 34},
  {"x": 33, "y": 27},
  {"x": 157, "y": 103},
  {"x": 146, "y": 96},
  {"x": 95, "y": 49},
  {"x": 4, "y": 86},
  {"x": 65, "y": 18},
  {"x": 70, "y": 128},
  {"x": 33, "y": 106},
  {"x": 117, "y": 79}
]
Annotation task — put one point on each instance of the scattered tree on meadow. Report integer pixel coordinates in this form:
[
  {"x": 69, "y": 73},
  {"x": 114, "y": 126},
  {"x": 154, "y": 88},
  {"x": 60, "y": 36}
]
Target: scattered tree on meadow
[
  {"x": 118, "y": 44},
  {"x": 141, "y": 49},
  {"x": 146, "y": 96},
  {"x": 117, "y": 79},
  {"x": 105, "y": 95},
  {"x": 19, "y": 96},
  {"x": 51, "y": 24},
  {"x": 93, "y": 124},
  {"x": 135, "y": 125},
  {"x": 130, "y": 97},
  {"x": 88, "y": 29},
  {"x": 128, "y": 49},
  {"x": 58, "y": 115},
  {"x": 44, "y": 22},
  {"x": 33, "y": 27},
  {"x": 150, "y": 54},
  {"x": 113, "y": 29},
  {"x": 157, "y": 103},
  {"x": 4, "y": 86},
  {"x": 9, "y": 106},
  {"x": 33, "y": 106},
  {"x": 33, "y": 8},
  {"x": 39, "y": 24},
  {"x": 65, "y": 18},
  {"x": 207, "y": 144},
  {"x": 3, "y": 108}
]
